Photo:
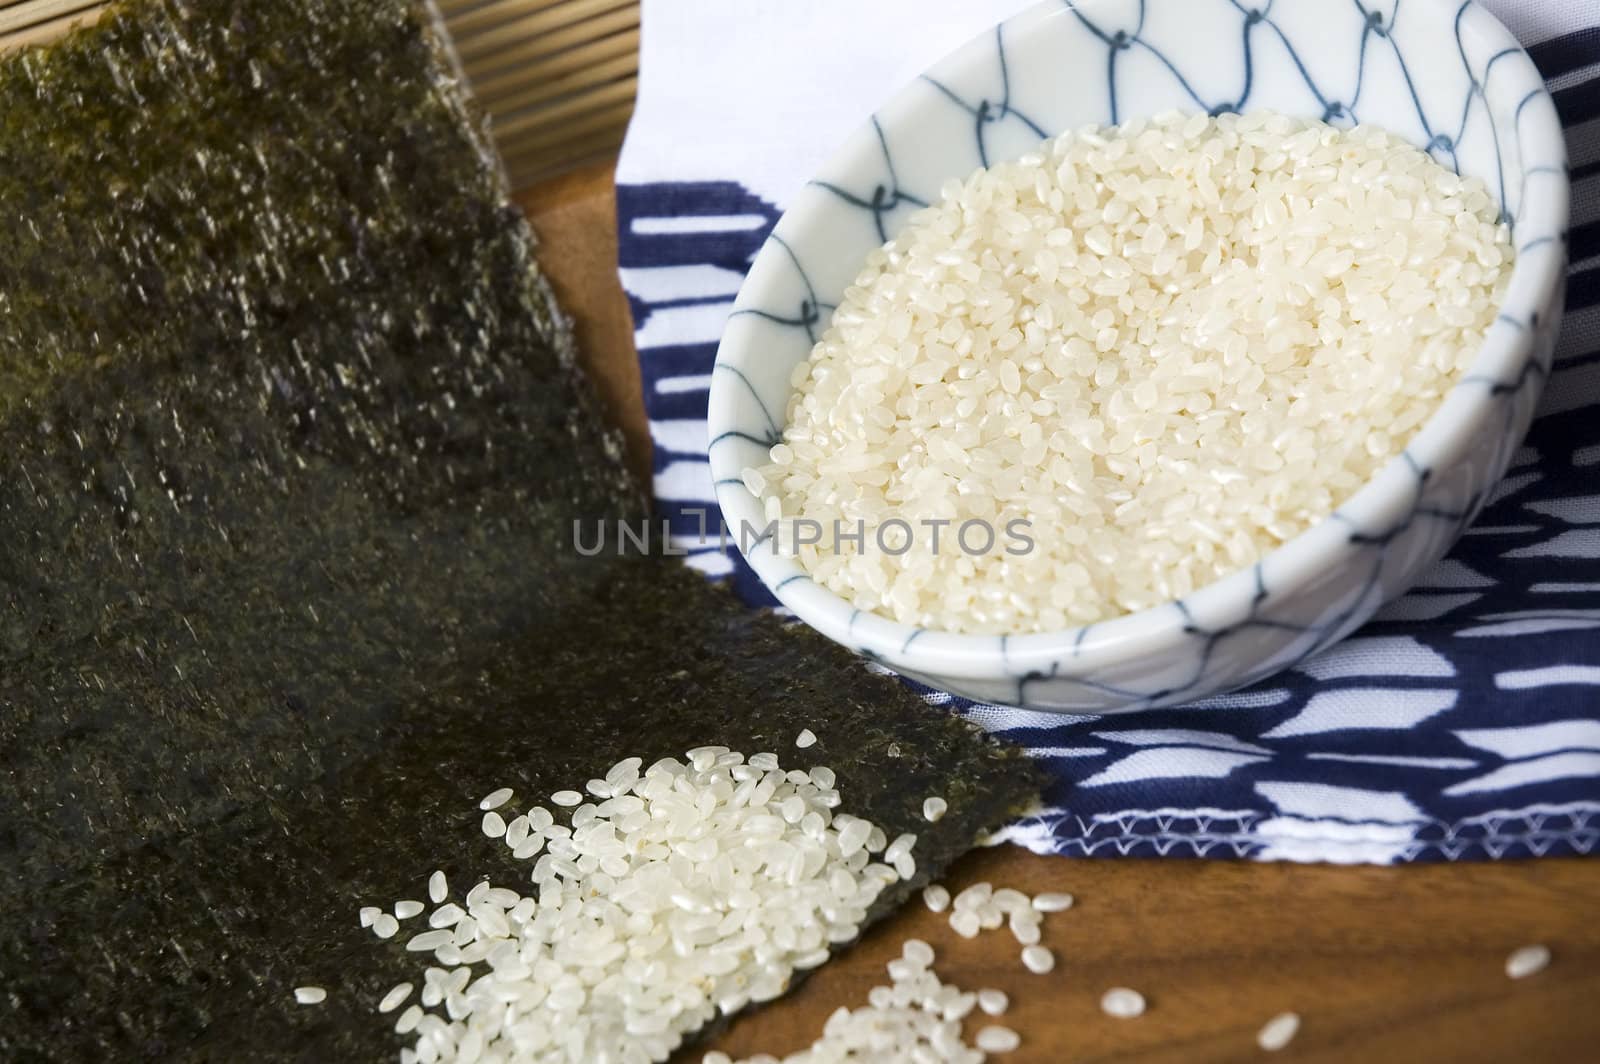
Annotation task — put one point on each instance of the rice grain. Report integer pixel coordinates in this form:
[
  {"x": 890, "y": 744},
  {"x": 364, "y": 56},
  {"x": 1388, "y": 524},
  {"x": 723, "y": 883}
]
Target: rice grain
[
  {"x": 997, "y": 1040},
  {"x": 1123, "y": 1003},
  {"x": 495, "y": 799},
  {"x": 395, "y": 997},
  {"x": 1052, "y": 902},
  {"x": 1529, "y": 960},
  {"x": 1038, "y": 959},
  {"x": 1278, "y": 1031}
]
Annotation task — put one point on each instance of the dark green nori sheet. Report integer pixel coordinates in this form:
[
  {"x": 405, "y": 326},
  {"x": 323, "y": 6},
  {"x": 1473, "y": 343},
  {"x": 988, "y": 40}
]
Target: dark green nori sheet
[{"x": 291, "y": 444}]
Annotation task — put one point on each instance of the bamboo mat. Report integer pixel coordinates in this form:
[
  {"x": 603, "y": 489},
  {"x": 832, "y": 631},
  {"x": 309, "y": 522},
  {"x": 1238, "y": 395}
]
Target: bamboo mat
[{"x": 556, "y": 77}]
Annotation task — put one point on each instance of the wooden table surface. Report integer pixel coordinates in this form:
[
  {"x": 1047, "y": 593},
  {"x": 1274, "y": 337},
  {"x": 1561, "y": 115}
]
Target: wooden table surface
[{"x": 1382, "y": 964}]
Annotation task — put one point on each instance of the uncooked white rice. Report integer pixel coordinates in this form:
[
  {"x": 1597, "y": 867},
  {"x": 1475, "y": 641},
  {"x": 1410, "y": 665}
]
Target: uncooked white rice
[
  {"x": 1168, "y": 347},
  {"x": 806, "y": 738},
  {"x": 426, "y": 941},
  {"x": 1278, "y": 1031},
  {"x": 918, "y": 952},
  {"x": 974, "y": 896},
  {"x": 993, "y": 1002},
  {"x": 447, "y": 915},
  {"x": 681, "y": 892},
  {"x": 621, "y": 966},
  {"x": 1052, "y": 902},
  {"x": 934, "y": 809},
  {"x": 996, "y": 1039},
  {"x": 1038, "y": 959},
  {"x": 980, "y": 907},
  {"x": 496, "y": 798},
  {"x": 965, "y": 923},
  {"x": 1529, "y": 960},
  {"x": 936, "y": 898},
  {"x": 438, "y": 887},
  {"x": 405, "y": 910},
  {"x": 408, "y": 1020},
  {"x": 917, "y": 1017},
  {"x": 310, "y": 995},
  {"x": 395, "y": 997},
  {"x": 1025, "y": 927},
  {"x": 1123, "y": 1003}
]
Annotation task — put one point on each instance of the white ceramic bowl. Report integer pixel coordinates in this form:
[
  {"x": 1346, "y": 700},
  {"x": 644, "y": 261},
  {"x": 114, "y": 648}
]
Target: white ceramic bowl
[{"x": 1442, "y": 73}]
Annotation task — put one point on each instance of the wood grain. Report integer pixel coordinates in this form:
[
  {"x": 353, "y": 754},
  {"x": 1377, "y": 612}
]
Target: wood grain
[
  {"x": 32, "y": 22},
  {"x": 575, "y": 219},
  {"x": 1382, "y": 964},
  {"x": 19, "y": 14},
  {"x": 1403, "y": 965},
  {"x": 556, "y": 77}
]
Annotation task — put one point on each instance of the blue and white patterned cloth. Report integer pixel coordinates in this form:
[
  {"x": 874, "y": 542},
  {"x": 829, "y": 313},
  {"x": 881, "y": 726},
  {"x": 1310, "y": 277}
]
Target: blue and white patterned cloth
[{"x": 1463, "y": 722}]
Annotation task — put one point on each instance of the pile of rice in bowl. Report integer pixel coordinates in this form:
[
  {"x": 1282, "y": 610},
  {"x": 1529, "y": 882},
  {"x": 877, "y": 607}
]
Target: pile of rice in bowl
[{"x": 1100, "y": 377}]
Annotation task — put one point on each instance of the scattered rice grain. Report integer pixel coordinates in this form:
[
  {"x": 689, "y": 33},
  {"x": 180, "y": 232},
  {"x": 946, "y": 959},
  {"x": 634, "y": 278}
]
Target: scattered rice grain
[
  {"x": 1529, "y": 960},
  {"x": 495, "y": 799},
  {"x": 1278, "y": 1031},
  {"x": 395, "y": 997},
  {"x": 1038, "y": 959},
  {"x": 918, "y": 952},
  {"x": 1123, "y": 1003},
  {"x": 997, "y": 1039},
  {"x": 428, "y": 940},
  {"x": 1025, "y": 931},
  {"x": 1052, "y": 902},
  {"x": 966, "y": 923},
  {"x": 408, "y": 1020}
]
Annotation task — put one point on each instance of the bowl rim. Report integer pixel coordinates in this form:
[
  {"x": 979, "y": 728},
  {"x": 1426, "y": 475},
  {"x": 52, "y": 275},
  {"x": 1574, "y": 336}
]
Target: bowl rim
[{"x": 1505, "y": 355}]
